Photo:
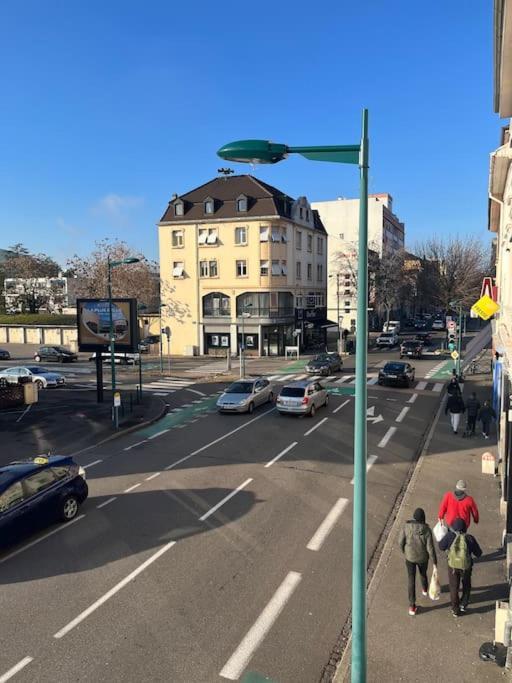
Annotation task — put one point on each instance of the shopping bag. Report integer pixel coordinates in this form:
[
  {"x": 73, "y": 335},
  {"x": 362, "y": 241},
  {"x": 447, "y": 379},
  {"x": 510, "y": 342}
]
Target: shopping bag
[
  {"x": 434, "y": 589},
  {"x": 440, "y": 530}
]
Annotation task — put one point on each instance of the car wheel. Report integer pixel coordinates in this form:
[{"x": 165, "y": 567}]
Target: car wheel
[
  {"x": 40, "y": 384},
  {"x": 250, "y": 408},
  {"x": 271, "y": 397},
  {"x": 312, "y": 410},
  {"x": 69, "y": 508},
  {"x": 326, "y": 401},
  {"x": 37, "y": 358}
]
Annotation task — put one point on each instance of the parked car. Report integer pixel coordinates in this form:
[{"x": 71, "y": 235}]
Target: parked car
[
  {"x": 409, "y": 322},
  {"x": 424, "y": 337},
  {"x": 391, "y": 326},
  {"x": 4, "y": 354},
  {"x": 387, "y": 339},
  {"x": 324, "y": 364},
  {"x": 244, "y": 395},
  {"x": 411, "y": 349},
  {"x": 119, "y": 358},
  {"x": 397, "y": 372},
  {"x": 302, "y": 398},
  {"x": 146, "y": 343},
  {"x": 420, "y": 324},
  {"x": 59, "y": 354},
  {"x": 38, "y": 492},
  {"x": 438, "y": 324},
  {"x": 41, "y": 376}
]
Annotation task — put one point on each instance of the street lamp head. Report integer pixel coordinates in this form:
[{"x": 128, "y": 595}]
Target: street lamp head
[
  {"x": 253, "y": 152},
  {"x": 125, "y": 261}
]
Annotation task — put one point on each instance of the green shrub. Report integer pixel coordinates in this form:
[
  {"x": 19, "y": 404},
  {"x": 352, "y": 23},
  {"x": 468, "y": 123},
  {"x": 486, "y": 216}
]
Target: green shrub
[{"x": 37, "y": 319}]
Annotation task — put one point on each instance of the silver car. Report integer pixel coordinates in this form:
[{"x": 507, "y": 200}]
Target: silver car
[
  {"x": 302, "y": 398},
  {"x": 244, "y": 395},
  {"x": 41, "y": 376}
]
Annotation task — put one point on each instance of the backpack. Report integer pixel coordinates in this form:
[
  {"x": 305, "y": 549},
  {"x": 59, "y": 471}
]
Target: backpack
[{"x": 458, "y": 554}]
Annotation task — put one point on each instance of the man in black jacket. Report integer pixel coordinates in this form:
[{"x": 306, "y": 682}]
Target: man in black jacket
[
  {"x": 455, "y": 576},
  {"x": 473, "y": 408},
  {"x": 455, "y": 405}
]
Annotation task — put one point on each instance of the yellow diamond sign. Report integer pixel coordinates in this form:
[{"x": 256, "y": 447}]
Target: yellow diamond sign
[
  {"x": 454, "y": 355},
  {"x": 485, "y": 307}
]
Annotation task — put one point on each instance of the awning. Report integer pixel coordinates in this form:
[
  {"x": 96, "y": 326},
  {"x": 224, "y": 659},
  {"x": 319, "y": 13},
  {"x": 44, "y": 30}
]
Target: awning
[{"x": 327, "y": 323}]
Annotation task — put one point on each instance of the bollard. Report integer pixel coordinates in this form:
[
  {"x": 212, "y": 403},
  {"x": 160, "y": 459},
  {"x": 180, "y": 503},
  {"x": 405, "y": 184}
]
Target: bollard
[{"x": 488, "y": 464}]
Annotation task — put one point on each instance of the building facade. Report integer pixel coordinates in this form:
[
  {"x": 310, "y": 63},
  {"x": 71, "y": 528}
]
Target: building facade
[
  {"x": 51, "y": 294},
  {"x": 242, "y": 261},
  {"x": 341, "y": 220}
]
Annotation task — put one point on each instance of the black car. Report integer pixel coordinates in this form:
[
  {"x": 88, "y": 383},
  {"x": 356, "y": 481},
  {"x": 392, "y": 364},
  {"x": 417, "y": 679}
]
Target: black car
[
  {"x": 5, "y": 355},
  {"x": 420, "y": 324},
  {"x": 396, "y": 372},
  {"x": 424, "y": 337},
  {"x": 411, "y": 349},
  {"x": 146, "y": 343},
  {"x": 38, "y": 492},
  {"x": 324, "y": 364},
  {"x": 59, "y": 354}
]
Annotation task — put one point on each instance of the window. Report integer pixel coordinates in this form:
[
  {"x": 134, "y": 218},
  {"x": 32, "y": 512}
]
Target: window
[
  {"x": 178, "y": 209},
  {"x": 310, "y": 242},
  {"x": 307, "y": 214},
  {"x": 213, "y": 269},
  {"x": 347, "y": 310},
  {"x": 276, "y": 268},
  {"x": 276, "y": 235},
  {"x": 284, "y": 268},
  {"x": 347, "y": 291},
  {"x": 347, "y": 303},
  {"x": 299, "y": 303},
  {"x": 284, "y": 236},
  {"x": 208, "y": 205},
  {"x": 264, "y": 266},
  {"x": 319, "y": 245},
  {"x": 38, "y": 482},
  {"x": 216, "y": 304},
  {"x": 11, "y": 497},
  {"x": 177, "y": 238},
  {"x": 177, "y": 268},
  {"x": 320, "y": 299},
  {"x": 203, "y": 236},
  {"x": 212, "y": 236},
  {"x": 203, "y": 269},
  {"x": 241, "y": 268},
  {"x": 264, "y": 231},
  {"x": 241, "y": 235},
  {"x": 298, "y": 270},
  {"x": 319, "y": 272},
  {"x": 241, "y": 203},
  {"x": 301, "y": 212},
  {"x": 207, "y": 236},
  {"x": 341, "y": 235},
  {"x": 310, "y": 271},
  {"x": 299, "y": 239}
]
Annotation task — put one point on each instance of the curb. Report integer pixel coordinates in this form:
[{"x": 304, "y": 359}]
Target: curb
[{"x": 128, "y": 430}]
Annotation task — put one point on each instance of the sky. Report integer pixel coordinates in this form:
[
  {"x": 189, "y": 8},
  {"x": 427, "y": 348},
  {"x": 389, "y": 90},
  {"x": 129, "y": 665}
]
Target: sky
[{"x": 108, "y": 108}]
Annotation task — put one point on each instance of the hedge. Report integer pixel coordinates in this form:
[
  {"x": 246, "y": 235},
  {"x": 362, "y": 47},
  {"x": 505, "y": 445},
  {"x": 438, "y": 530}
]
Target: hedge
[{"x": 37, "y": 319}]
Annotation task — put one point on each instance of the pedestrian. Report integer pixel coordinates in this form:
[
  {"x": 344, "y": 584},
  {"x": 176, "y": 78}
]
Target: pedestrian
[
  {"x": 486, "y": 415},
  {"x": 458, "y": 505},
  {"x": 460, "y": 548},
  {"x": 453, "y": 386},
  {"x": 455, "y": 405},
  {"x": 417, "y": 545},
  {"x": 473, "y": 408}
]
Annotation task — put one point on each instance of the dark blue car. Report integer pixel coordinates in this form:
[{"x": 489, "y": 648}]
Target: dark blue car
[{"x": 38, "y": 492}]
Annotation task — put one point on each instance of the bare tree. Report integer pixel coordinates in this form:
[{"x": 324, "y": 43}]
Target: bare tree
[
  {"x": 138, "y": 280},
  {"x": 453, "y": 270},
  {"x": 29, "y": 268},
  {"x": 389, "y": 282}
]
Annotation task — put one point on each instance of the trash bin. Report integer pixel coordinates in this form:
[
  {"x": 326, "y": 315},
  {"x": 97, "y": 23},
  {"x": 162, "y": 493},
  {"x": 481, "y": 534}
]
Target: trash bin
[{"x": 30, "y": 393}]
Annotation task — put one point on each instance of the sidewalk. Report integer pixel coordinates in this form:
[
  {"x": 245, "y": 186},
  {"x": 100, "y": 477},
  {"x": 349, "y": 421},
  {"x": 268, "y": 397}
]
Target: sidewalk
[{"x": 433, "y": 645}]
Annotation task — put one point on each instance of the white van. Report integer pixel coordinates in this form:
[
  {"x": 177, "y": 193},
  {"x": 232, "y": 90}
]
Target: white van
[{"x": 392, "y": 326}]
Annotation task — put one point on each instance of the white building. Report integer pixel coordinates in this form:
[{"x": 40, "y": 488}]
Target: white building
[
  {"x": 341, "y": 220},
  {"x": 52, "y": 294}
]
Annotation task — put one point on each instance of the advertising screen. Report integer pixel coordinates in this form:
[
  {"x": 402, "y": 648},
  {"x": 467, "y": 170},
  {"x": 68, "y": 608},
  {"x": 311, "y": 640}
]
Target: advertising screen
[{"x": 93, "y": 322}]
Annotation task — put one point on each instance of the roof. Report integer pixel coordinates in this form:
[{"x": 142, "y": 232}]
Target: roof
[
  {"x": 17, "y": 470},
  {"x": 262, "y": 200},
  {"x": 503, "y": 57}
]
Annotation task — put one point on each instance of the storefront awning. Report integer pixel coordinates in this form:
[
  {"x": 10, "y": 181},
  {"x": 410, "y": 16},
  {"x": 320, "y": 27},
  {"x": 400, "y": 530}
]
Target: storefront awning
[{"x": 328, "y": 323}]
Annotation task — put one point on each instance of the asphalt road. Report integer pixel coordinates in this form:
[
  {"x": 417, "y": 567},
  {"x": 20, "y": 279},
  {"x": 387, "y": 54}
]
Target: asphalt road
[{"x": 211, "y": 546}]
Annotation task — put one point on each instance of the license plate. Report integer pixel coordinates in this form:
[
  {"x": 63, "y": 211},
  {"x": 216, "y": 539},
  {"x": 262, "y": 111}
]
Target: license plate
[{"x": 392, "y": 376}]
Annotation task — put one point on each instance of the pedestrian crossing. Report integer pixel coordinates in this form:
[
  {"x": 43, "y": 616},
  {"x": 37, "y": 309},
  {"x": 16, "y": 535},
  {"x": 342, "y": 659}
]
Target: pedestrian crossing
[
  {"x": 167, "y": 385},
  {"x": 371, "y": 380}
]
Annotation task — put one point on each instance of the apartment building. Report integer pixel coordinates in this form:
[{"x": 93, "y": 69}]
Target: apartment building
[
  {"x": 242, "y": 261},
  {"x": 51, "y": 294}
]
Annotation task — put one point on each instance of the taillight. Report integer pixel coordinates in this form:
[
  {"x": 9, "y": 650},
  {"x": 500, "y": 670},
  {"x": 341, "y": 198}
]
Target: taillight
[{"x": 305, "y": 401}]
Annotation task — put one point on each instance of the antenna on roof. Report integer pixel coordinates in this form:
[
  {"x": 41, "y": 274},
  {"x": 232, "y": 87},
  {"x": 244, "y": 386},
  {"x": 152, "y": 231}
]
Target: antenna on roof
[{"x": 225, "y": 172}]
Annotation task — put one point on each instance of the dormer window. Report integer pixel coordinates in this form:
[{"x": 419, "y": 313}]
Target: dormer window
[
  {"x": 208, "y": 205},
  {"x": 179, "y": 209},
  {"x": 301, "y": 212},
  {"x": 241, "y": 203}
]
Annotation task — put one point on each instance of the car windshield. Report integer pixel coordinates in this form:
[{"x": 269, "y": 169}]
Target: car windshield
[
  {"x": 394, "y": 367},
  {"x": 410, "y": 344},
  {"x": 61, "y": 348},
  {"x": 294, "y": 392},
  {"x": 240, "y": 388},
  {"x": 387, "y": 334},
  {"x": 37, "y": 371}
]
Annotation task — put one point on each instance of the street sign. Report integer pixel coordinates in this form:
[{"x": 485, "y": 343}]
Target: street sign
[
  {"x": 168, "y": 332},
  {"x": 454, "y": 355},
  {"x": 117, "y": 399},
  {"x": 485, "y": 307}
]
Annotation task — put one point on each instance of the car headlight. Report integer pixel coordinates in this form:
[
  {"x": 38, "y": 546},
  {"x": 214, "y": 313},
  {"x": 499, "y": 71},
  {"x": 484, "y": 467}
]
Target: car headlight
[{"x": 240, "y": 403}]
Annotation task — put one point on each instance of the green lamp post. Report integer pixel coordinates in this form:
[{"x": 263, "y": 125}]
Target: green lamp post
[
  {"x": 110, "y": 265},
  {"x": 262, "y": 151}
]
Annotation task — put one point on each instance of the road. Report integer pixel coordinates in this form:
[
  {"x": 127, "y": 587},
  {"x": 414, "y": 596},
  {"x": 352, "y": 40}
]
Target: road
[{"x": 211, "y": 546}]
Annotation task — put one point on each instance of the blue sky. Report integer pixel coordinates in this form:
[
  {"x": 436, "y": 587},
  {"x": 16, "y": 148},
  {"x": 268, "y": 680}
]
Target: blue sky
[{"x": 108, "y": 108}]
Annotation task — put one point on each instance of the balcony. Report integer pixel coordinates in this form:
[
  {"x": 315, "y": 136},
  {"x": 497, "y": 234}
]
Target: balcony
[{"x": 220, "y": 312}]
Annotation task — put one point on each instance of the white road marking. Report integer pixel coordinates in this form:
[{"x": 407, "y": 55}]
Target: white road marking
[
  {"x": 402, "y": 414},
  {"x": 83, "y": 615},
  {"x": 134, "y": 444},
  {"x": 153, "y": 436},
  {"x": 413, "y": 398},
  {"x": 387, "y": 436},
  {"x": 132, "y": 488},
  {"x": 17, "y": 667},
  {"x": 153, "y": 476},
  {"x": 421, "y": 385},
  {"x": 438, "y": 387},
  {"x": 273, "y": 377},
  {"x": 341, "y": 406},
  {"x": 373, "y": 380},
  {"x": 327, "y": 525},
  {"x": 160, "y": 393},
  {"x": 315, "y": 426},
  {"x": 224, "y": 500},
  {"x": 106, "y": 502},
  {"x": 195, "y": 391},
  {"x": 280, "y": 455},
  {"x": 299, "y": 377},
  {"x": 23, "y": 415},
  {"x": 198, "y": 400},
  {"x": 369, "y": 463},
  {"x": 91, "y": 464},
  {"x": 254, "y": 637},
  {"x": 343, "y": 379},
  {"x": 41, "y": 538},
  {"x": 187, "y": 405}
]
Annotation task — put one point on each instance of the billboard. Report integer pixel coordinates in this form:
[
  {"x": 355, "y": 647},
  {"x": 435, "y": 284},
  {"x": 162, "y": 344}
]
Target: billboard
[{"x": 93, "y": 324}]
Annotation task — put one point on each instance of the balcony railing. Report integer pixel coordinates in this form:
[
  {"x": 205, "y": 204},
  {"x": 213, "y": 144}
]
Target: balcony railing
[
  {"x": 268, "y": 312},
  {"x": 221, "y": 312}
]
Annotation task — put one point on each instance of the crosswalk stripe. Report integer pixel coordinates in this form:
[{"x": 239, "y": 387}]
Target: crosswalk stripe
[
  {"x": 159, "y": 393},
  {"x": 301, "y": 377},
  {"x": 274, "y": 377},
  {"x": 343, "y": 379},
  {"x": 421, "y": 385},
  {"x": 373, "y": 380},
  {"x": 437, "y": 387}
]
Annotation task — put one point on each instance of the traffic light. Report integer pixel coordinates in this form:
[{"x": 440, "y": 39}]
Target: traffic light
[{"x": 452, "y": 342}]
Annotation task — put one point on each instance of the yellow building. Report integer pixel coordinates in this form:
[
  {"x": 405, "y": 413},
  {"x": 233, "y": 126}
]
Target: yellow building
[{"x": 238, "y": 253}]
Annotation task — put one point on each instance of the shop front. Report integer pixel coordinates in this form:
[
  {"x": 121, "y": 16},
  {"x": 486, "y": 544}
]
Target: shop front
[
  {"x": 313, "y": 324},
  {"x": 217, "y": 340}
]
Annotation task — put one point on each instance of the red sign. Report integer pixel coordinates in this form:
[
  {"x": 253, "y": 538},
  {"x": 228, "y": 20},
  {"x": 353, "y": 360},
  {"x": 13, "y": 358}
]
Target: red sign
[{"x": 489, "y": 288}]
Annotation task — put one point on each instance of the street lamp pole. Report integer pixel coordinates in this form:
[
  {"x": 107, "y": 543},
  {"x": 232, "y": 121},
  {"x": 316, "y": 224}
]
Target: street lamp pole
[
  {"x": 338, "y": 310},
  {"x": 459, "y": 344},
  {"x": 263, "y": 151},
  {"x": 161, "y": 343}
]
